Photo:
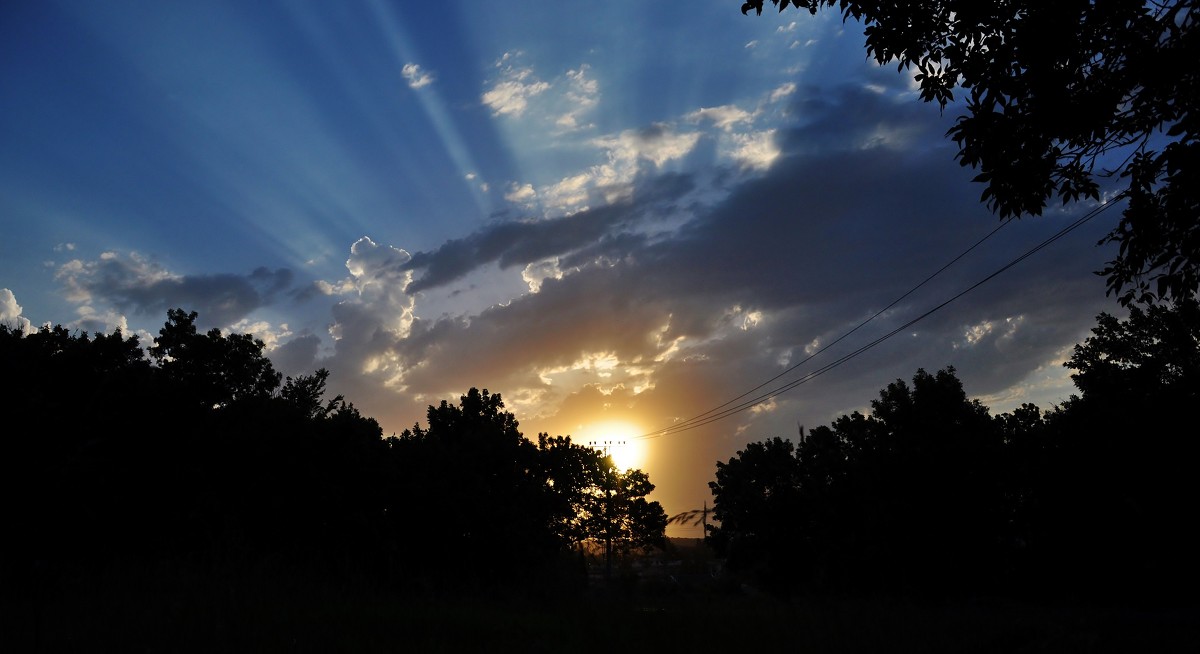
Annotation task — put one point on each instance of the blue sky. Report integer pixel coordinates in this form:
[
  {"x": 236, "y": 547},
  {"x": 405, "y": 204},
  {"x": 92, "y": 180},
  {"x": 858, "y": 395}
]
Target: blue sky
[{"x": 606, "y": 212}]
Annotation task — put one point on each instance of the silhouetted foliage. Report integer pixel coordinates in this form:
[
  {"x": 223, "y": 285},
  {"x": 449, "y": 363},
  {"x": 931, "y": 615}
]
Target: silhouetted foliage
[
  {"x": 758, "y": 502},
  {"x": 469, "y": 490},
  {"x": 929, "y": 494},
  {"x": 905, "y": 497},
  {"x": 491, "y": 505},
  {"x": 211, "y": 368},
  {"x": 1119, "y": 485},
  {"x": 1059, "y": 94},
  {"x": 620, "y": 516},
  {"x": 573, "y": 475},
  {"x": 193, "y": 454}
]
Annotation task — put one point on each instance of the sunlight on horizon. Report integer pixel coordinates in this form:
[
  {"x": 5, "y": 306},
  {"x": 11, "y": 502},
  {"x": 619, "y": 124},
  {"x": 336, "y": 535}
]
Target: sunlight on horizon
[{"x": 619, "y": 439}]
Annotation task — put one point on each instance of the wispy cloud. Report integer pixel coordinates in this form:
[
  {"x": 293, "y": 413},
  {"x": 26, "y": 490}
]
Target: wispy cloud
[
  {"x": 510, "y": 95},
  {"x": 583, "y": 95},
  {"x": 725, "y": 117},
  {"x": 782, "y": 91}
]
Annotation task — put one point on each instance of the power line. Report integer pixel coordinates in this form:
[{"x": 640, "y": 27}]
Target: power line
[
  {"x": 843, "y": 336},
  {"x": 715, "y": 414}
]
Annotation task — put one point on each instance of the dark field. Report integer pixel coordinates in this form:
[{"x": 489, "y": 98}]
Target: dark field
[{"x": 170, "y": 611}]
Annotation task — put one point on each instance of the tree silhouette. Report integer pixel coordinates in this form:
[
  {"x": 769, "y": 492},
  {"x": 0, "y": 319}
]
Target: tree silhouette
[
  {"x": 211, "y": 368},
  {"x": 573, "y": 476},
  {"x": 194, "y": 459},
  {"x": 472, "y": 483},
  {"x": 906, "y": 498},
  {"x": 1118, "y": 480},
  {"x": 193, "y": 455},
  {"x": 1059, "y": 95},
  {"x": 757, "y": 501},
  {"x": 621, "y": 517}
]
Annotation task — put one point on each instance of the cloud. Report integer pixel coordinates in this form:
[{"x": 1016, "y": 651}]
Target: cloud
[
  {"x": 658, "y": 144},
  {"x": 10, "y": 312},
  {"x": 133, "y": 284},
  {"x": 512, "y": 244},
  {"x": 272, "y": 336},
  {"x": 724, "y": 117},
  {"x": 536, "y": 273},
  {"x": 510, "y": 95},
  {"x": 782, "y": 91},
  {"x": 472, "y": 177},
  {"x": 520, "y": 193},
  {"x": 583, "y": 95},
  {"x": 744, "y": 288},
  {"x": 373, "y": 312},
  {"x": 757, "y": 151},
  {"x": 378, "y": 277},
  {"x": 617, "y": 308},
  {"x": 415, "y": 76}
]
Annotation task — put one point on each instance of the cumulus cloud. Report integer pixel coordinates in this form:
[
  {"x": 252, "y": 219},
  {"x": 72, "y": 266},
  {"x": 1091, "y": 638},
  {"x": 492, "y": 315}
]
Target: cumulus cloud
[
  {"x": 102, "y": 320},
  {"x": 520, "y": 193},
  {"x": 10, "y": 312},
  {"x": 415, "y": 76},
  {"x": 379, "y": 277},
  {"x": 272, "y": 336},
  {"x": 373, "y": 312},
  {"x": 536, "y": 273}
]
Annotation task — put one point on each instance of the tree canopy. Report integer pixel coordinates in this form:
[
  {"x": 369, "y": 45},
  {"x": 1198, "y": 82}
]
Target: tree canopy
[
  {"x": 929, "y": 493},
  {"x": 900, "y": 497},
  {"x": 1059, "y": 95},
  {"x": 191, "y": 452}
]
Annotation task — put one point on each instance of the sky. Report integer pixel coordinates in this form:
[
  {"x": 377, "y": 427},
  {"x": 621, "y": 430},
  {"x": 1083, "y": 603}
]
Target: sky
[{"x": 619, "y": 216}]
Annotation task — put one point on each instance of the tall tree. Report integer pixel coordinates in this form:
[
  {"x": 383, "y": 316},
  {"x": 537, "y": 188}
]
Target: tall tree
[
  {"x": 1058, "y": 95},
  {"x": 757, "y": 503},
  {"x": 573, "y": 476},
  {"x": 211, "y": 368}
]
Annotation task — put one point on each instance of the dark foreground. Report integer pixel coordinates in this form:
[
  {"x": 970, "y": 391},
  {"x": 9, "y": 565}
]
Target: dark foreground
[{"x": 170, "y": 611}]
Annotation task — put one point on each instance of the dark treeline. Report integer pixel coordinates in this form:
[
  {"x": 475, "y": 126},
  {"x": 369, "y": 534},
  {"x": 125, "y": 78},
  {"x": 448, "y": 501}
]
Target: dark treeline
[
  {"x": 1093, "y": 500},
  {"x": 194, "y": 453}
]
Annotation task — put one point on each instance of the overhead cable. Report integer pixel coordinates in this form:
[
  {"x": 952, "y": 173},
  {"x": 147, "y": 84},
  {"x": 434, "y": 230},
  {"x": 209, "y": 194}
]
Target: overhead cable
[{"x": 720, "y": 412}]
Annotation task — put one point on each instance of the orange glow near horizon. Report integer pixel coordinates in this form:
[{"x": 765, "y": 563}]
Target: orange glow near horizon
[{"x": 618, "y": 439}]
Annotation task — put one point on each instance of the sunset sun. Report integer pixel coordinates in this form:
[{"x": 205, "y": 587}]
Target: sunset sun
[{"x": 618, "y": 439}]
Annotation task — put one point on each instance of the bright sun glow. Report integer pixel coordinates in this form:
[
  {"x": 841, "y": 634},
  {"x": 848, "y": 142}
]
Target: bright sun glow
[{"x": 619, "y": 439}]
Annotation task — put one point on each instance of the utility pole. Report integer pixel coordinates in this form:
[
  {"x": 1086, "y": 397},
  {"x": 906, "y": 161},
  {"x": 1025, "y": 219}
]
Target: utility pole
[{"x": 605, "y": 446}]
